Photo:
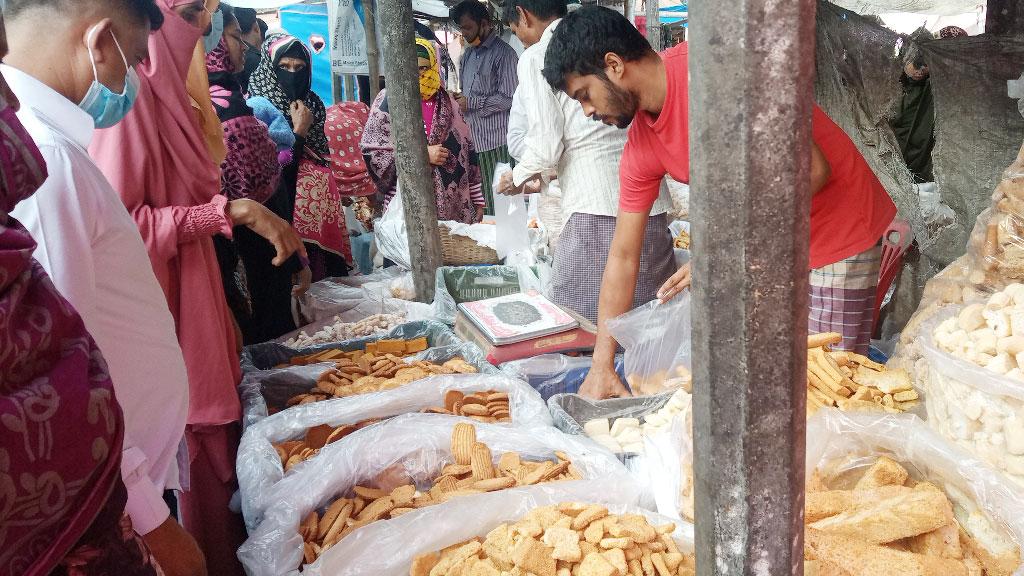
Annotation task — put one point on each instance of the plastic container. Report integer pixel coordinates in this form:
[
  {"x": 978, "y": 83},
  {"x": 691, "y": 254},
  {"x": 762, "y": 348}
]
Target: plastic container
[
  {"x": 571, "y": 411},
  {"x": 457, "y": 284}
]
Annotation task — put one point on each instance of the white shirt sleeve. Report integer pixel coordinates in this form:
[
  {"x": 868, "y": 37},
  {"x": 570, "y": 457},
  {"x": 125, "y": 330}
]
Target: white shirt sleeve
[
  {"x": 518, "y": 124},
  {"x": 543, "y": 146},
  {"x": 64, "y": 222}
]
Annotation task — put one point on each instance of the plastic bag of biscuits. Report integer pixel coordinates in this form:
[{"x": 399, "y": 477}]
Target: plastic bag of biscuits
[
  {"x": 288, "y": 440},
  {"x": 887, "y": 495},
  {"x": 524, "y": 530},
  {"x": 394, "y": 473}
]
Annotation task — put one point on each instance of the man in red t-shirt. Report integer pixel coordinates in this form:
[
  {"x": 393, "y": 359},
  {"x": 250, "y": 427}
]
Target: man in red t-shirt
[{"x": 601, "y": 60}]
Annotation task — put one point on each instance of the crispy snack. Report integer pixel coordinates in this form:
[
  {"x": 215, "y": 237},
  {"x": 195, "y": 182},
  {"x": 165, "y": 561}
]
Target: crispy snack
[
  {"x": 890, "y": 524},
  {"x": 473, "y": 472},
  {"x": 297, "y": 451},
  {"x": 852, "y": 382},
  {"x": 543, "y": 543}
]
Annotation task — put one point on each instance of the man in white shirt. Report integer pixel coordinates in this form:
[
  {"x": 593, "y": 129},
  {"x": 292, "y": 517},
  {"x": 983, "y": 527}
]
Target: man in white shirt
[
  {"x": 549, "y": 199},
  {"x": 584, "y": 155},
  {"x": 78, "y": 78}
]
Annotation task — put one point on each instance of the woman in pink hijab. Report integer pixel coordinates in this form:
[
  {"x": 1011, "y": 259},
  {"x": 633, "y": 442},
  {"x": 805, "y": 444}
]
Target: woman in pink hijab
[{"x": 157, "y": 159}]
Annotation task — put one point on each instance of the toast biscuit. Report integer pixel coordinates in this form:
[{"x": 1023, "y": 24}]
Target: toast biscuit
[
  {"x": 480, "y": 459},
  {"x": 463, "y": 438}
]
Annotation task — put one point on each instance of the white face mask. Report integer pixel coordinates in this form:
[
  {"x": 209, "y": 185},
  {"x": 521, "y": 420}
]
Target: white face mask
[{"x": 106, "y": 107}]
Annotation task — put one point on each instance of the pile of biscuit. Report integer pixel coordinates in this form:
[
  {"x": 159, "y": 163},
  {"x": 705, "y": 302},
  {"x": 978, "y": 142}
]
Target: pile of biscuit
[
  {"x": 473, "y": 472},
  {"x": 852, "y": 382},
  {"x": 294, "y": 452},
  {"x": 372, "y": 373},
  {"x": 890, "y": 524},
  {"x": 565, "y": 540},
  {"x": 489, "y": 406}
]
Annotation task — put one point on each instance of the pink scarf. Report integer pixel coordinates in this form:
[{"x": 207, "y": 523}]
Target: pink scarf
[
  {"x": 61, "y": 430},
  {"x": 157, "y": 159}
]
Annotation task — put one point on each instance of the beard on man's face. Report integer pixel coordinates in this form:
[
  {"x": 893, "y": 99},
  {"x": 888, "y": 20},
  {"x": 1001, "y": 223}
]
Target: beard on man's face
[{"x": 622, "y": 106}]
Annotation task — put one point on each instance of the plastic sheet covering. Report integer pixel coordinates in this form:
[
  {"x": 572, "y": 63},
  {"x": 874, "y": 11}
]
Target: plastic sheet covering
[
  {"x": 984, "y": 502},
  {"x": 669, "y": 457},
  {"x": 469, "y": 518},
  {"x": 976, "y": 408},
  {"x": 935, "y": 7},
  {"x": 551, "y": 374},
  {"x": 263, "y": 386},
  {"x": 259, "y": 467},
  {"x": 571, "y": 411},
  {"x": 457, "y": 284},
  {"x": 978, "y": 129},
  {"x": 411, "y": 448},
  {"x": 656, "y": 338},
  {"x": 996, "y": 247},
  {"x": 332, "y": 296}
]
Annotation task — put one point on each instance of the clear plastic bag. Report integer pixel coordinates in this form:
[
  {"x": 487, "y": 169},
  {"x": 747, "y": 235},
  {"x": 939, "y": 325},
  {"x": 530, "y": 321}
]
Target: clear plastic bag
[
  {"x": 454, "y": 285},
  {"x": 571, "y": 411},
  {"x": 983, "y": 501},
  {"x": 978, "y": 409},
  {"x": 410, "y": 448},
  {"x": 389, "y": 232},
  {"x": 464, "y": 519},
  {"x": 259, "y": 467},
  {"x": 333, "y": 296},
  {"x": 264, "y": 387},
  {"x": 669, "y": 457},
  {"x": 551, "y": 374},
  {"x": 656, "y": 338}
]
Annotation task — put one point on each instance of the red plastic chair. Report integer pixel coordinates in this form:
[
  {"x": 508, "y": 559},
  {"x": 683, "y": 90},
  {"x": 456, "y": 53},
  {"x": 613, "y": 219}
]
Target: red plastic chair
[{"x": 895, "y": 243}]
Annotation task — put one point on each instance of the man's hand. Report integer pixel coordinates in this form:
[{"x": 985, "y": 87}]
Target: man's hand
[
  {"x": 302, "y": 281},
  {"x": 602, "y": 383},
  {"x": 438, "y": 154},
  {"x": 175, "y": 550},
  {"x": 261, "y": 220},
  {"x": 507, "y": 187},
  {"x": 675, "y": 284},
  {"x": 463, "y": 102}
]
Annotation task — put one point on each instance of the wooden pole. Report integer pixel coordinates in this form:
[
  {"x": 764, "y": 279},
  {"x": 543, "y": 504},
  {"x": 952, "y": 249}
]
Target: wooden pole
[
  {"x": 751, "y": 103},
  {"x": 372, "y": 50},
  {"x": 414, "y": 173}
]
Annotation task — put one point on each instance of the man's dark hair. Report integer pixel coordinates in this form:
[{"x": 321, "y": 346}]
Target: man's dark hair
[
  {"x": 143, "y": 10},
  {"x": 246, "y": 18},
  {"x": 583, "y": 38},
  {"x": 542, "y": 9},
  {"x": 263, "y": 27},
  {"x": 472, "y": 8}
]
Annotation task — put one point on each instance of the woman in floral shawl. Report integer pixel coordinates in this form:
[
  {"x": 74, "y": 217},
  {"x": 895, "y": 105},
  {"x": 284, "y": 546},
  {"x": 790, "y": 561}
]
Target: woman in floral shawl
[{"x": 451, "y": 151}]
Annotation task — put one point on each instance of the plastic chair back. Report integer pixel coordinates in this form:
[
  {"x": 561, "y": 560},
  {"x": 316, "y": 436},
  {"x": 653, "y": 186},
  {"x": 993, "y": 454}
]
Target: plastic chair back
[{"x": 897, "y": 240}]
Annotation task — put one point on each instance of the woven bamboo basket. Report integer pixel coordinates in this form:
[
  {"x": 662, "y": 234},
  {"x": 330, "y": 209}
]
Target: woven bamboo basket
[{"x": 463, "y": 251}]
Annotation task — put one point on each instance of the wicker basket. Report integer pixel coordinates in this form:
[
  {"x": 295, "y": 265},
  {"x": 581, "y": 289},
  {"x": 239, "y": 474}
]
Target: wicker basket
[{"x": 463, "y": 251}]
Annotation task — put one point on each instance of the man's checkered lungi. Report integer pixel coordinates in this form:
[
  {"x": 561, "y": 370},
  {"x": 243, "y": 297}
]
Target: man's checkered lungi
[
  {"x": 582, "y": 254},
  {"x": 843, "y": 299}
]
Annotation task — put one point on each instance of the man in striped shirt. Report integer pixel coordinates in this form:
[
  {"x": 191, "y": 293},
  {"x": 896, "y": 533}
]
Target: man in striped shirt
[{"x": 488, "y": 74}]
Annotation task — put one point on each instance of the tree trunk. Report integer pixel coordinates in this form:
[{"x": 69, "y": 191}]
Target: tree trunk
[
  {"x": 415, "y": 176},
  {"x": 372, "y": 52}
]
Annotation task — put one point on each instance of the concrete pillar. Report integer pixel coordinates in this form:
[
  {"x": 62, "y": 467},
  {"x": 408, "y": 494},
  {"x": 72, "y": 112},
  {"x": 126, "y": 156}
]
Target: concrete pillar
[
  {"x": 751, "y": 71},
  {"x": 415, "y": 175},
  {"x": 1005, "y": 17}
]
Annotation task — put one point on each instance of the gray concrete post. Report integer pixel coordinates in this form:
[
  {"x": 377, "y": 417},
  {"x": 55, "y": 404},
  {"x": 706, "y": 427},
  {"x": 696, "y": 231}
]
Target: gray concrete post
[
  {"x": 751, "y": 95},
  {"x": 415, "y": 175}
]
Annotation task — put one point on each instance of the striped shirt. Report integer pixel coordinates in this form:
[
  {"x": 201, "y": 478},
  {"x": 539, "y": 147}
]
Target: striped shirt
[{"x": 489, "y": 79}]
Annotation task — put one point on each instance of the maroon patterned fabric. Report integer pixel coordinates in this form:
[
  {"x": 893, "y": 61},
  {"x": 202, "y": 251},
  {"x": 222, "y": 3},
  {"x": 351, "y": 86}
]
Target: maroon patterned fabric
[
  {"x": 117, "y": 552},
  {"x": 61, "y": 430},
  {"x": 952, "y": 32},
  {"x": 250, "y": 169}
]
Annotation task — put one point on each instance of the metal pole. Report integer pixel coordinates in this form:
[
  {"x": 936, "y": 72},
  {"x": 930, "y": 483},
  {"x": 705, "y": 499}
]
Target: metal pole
[
  {"x": 750, "y": 148},
  {"x": 654, "y": 23},
  {"x": 372, "y": 51},
  {"x": 414, "y": 174},
  {"x": 337, "y": 90}
]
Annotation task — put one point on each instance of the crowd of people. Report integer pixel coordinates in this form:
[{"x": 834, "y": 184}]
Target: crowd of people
[{"x": 170, "y": 182}]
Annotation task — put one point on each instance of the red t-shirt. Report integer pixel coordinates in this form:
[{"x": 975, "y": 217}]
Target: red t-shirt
[{"x": 848, "y": 215}]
